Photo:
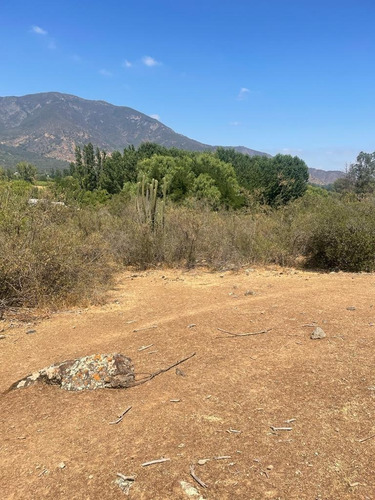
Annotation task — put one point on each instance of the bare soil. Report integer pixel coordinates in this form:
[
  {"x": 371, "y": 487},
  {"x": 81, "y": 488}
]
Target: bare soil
[{"x": 323, "y": 389}]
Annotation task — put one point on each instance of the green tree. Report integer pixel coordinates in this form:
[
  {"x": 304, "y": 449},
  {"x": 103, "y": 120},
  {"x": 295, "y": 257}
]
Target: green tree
[
  {"x": 362, "y": 173},
  {"x": 175, "y": 172},
  {"x": 204, "y": 189},
  {"x": 285, "y": 179},
  {"x": 274, "y": 180},
  {"x": 26, "y": 171},
  {"x": 223, "y": 175}
]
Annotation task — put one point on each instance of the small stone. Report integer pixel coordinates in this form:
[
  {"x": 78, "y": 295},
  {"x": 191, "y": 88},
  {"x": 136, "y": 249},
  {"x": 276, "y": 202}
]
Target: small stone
[
  {"x": 318, "y": 333},
  {"x": 249, "y": 292},
  {"x": 61, "y": 465},
  {"x": 91, "y": 476},
  {"x": 28, "y": 332},
  {"x": 351, "y": 308},
  {"x": 190, "y": 490},
  {"x": 203, "y": 461},
  {"x": 270, "y": 467},
  {"x": 2, "y": 337},
  {"x": 180, "y": 372},
  {"x": 192, "y": 325},
  {"x": 124, "y": 483}
]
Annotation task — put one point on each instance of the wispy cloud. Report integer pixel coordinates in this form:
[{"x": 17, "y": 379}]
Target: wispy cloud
[
  {"x": 38, "y": 30},
  {"x": 150, "y": 61},
  {"x": 127, "y": 64},
  {"x": 51, "y": 45},
  {"x": 243, "y": 93},
  {"x": 156, "y": 117},
  {"x": 291, "y": 151},
  {"x": 234, "y": 124},
  {"x": 76, "y": 58},
  {"x": 105, "y": 72}
]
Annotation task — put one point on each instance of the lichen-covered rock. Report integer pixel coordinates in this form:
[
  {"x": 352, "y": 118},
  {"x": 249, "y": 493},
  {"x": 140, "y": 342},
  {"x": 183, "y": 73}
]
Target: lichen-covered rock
[
  {"x": 98, "y": 371},
  {"x": 318, "y": 333}
]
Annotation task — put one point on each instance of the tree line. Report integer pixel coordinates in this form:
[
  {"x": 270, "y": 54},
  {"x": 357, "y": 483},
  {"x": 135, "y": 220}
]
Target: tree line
[{"x": 224, "y": 178}]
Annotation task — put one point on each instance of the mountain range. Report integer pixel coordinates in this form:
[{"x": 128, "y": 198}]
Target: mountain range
[{"x": 44, "y": 129}]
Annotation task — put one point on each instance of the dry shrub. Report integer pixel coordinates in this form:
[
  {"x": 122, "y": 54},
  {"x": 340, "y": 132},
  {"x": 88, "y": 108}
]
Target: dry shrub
[
  {"x": 193, "y": 236},
  {"x": 343, "y": 237},
  {"x": 53, "y": 255},
  {"x": 46, "y": 258}
]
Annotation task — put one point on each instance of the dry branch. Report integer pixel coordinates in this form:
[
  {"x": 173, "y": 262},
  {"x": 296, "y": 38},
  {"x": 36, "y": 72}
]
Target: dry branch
[
  {"x": 125, "y": 478},
  {"x": 120, "y": 417},
  {"x": 196, "y": 478},
  {"x": 244, "y": 334},
  {"x": 163, "y": 370},
  {"x": 159, "y": 461},
  {"x": 145, "y": 347},
  {"x": 145, "y": 328},
  {"x": 366, "y": 439}
]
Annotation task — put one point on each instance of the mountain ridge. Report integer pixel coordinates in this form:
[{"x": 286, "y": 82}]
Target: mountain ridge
[
  {"x": 44, "y": 128},
  {"x": 51, "y": 123}
]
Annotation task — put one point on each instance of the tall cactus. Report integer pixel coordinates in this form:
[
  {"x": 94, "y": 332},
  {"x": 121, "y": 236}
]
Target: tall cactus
[{"x": 147, "y": 200}]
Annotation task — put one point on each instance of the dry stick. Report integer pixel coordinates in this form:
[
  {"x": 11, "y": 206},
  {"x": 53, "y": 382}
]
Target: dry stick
[
  {"x": 121, "y": 416},
  {"x": 159, "y": 461},
  {"x": 244, "y": 334},
  {"x": 125, "y": 478},
  {"x": 145, "y": 328},
  {"x": 145, "y": 347},
  {"x": 281, "y": 428},
  {"x": 366, "y": 439},
  {"x": 196, "y": 478},
  {"x": 163, "y": 370}
]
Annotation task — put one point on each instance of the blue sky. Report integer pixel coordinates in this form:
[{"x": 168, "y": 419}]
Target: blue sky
[{"x": 295, "y": 77}]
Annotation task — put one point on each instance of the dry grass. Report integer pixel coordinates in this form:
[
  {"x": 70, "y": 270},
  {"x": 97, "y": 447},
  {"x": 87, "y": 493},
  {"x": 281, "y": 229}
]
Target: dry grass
[{"x": 51, "y": 255}]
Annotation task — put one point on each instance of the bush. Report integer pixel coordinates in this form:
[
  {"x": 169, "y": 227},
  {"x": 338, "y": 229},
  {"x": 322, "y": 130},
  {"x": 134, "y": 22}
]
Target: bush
[
  {"x": 343, "y": 237},
  {"x": 46, "y": 257},
  {"x": 52, "y": 255}
]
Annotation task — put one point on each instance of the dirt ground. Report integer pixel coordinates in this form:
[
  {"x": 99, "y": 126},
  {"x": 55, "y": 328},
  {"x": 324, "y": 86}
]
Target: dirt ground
[{"x": 234, "y": 390}]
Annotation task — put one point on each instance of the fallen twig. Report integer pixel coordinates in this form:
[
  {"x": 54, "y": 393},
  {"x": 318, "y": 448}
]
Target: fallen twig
[
  {"x": 121, "y": 416},
  {"x": 244, "y": 334},
  {"x": 224, "y": 457},
  {"x": 196, "y": 478},
  {"x": 366, "y": 439},
  {"x": 145, "y": 328},
  {"x": 125, "y": 478},
  {"x": 158, "y": 461},
  {"x": 281, "y": 428},
  {"x": 145, "y": 347},
  {"x": 163, "y": 370}
]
